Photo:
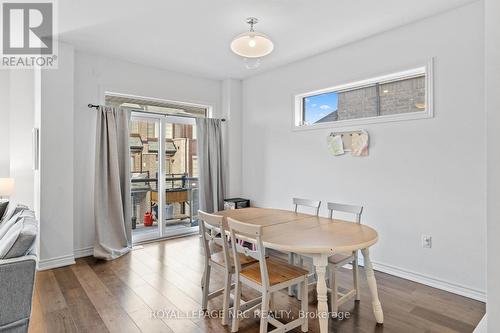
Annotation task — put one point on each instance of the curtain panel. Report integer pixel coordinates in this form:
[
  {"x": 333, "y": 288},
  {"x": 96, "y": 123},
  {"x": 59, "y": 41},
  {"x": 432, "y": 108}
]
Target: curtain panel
[
  {"x": 211, "y": 164},
  {"x": 112, "y": 202}
]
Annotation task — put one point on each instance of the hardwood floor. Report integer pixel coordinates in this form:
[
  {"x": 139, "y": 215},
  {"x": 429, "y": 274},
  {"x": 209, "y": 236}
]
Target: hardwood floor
[{"x": 141, "y": 292}]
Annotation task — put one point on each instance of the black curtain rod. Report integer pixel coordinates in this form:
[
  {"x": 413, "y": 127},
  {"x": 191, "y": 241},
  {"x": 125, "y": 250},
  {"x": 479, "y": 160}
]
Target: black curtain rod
[{"x": 93, "y": 106}]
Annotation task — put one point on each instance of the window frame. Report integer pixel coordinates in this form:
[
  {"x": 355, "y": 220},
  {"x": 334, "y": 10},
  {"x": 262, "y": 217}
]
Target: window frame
[{"x": 428, "y": 112}]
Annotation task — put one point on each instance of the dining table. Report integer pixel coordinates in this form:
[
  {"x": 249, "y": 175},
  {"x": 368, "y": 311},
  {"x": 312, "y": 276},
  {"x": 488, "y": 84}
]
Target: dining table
[{"x": 315, "y": 237}]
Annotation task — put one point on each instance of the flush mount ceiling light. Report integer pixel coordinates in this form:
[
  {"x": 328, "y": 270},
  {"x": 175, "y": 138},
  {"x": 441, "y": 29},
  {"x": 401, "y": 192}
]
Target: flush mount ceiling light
[{"x": 252, "y": 45}]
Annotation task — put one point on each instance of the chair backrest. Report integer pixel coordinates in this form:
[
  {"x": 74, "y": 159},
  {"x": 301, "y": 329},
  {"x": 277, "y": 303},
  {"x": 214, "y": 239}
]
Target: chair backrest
[
  {"x": 252, "y": 234},
  {"x": 213, "y": 232},
  {"x": 352, "y": 209},
  {"x": 307, "y": 203}
]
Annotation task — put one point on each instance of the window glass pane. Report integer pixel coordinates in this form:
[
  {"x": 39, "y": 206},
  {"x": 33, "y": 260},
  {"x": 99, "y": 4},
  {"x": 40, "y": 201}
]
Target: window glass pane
[
  {"x": 144, "y": 174},
  {"x": 402, "y": 96},
  {"x": 320, "y": 108},
  {"x": 383, "y": 98},
  {"x": 358, "y": 103},
  {"x": 169, "y": 131}
]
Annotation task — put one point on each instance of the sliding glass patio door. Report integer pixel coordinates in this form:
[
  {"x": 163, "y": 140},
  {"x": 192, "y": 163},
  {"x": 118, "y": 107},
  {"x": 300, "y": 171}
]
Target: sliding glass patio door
[
  {"x": 164, "y": 173},
  {"x": 181, "y": 177},
  {"x": 145, "y": 168}
]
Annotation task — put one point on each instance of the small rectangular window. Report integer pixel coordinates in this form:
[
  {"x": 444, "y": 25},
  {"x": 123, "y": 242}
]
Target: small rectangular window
[{"x": 399, "y": 96}]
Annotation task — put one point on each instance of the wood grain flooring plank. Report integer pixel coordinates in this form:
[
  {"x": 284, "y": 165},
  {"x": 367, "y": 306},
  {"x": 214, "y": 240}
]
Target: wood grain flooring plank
[
  {"x": 50, "y": 296},
  {"x": 157, "y": 302},
  {"x": 113, "y": 315},
  {"x": 56, "y": 315},
  {"x": 83, "y": 312},
  {"x": 60, "y": 321},
  {"x": 438, "y": 318},
  {"x": 37, "y": 321},
  {"x": 140, "y": 313}
]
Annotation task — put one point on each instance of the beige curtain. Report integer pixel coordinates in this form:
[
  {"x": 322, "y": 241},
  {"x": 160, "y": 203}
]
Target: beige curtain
[
  {"x": 112, "y": 203},
  {"x": 211, "y": 164}
]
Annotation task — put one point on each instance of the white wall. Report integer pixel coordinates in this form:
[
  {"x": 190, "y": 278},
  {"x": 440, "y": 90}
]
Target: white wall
[
  {"x": 4, "y": 123},
  {"x": 231, "y": 106},
  {"x": 21, "y": 121},
  {"x": 56, "y": 161},
  {"x": 422, "y": 177},
  {"x": 93, "y": 76},
  {"x": 492, "y": 67}
]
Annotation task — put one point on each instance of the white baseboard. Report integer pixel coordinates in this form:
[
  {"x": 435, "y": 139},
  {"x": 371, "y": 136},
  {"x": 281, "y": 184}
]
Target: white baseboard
[
  {"x": 479, "y": 295},
  {"x": 56, "y": 262},
  {"x": 84, "y": 252},
  {"x": 482, "y": 327}
]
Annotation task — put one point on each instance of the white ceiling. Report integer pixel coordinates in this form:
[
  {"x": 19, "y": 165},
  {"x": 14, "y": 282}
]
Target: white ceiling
[{"x": 193, "y": 36}]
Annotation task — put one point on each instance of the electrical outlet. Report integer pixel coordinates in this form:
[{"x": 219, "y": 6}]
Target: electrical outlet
[{"x": 426, "y": 242}]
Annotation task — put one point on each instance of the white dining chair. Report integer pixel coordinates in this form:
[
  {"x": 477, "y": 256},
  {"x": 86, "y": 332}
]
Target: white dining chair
[
  {"x": 315, "y": 205},
  {"x": 268, "y": 276},
  {"x": 213, "y": 233},
  {"x": 341, "y": 259}
]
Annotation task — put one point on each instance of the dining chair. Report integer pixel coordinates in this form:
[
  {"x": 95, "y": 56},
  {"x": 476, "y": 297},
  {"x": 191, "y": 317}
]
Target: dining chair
[
  {"x": 298, "y": 202},
  {"x": 213, "y": 234},
  {"x": 340, "y": 259},
  {"x": 268, "y": 276},
  {"x": 307, "y": 203}
]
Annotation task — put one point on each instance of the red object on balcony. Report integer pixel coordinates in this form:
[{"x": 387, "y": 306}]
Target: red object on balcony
[{"x": 148, "y": 219}]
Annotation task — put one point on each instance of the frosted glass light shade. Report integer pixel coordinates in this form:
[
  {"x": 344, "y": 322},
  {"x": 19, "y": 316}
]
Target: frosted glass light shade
[
  {"x": 251, "y": 63},
  {"x": 252, "y": 45},
  {"x": 6, "y": 187}
]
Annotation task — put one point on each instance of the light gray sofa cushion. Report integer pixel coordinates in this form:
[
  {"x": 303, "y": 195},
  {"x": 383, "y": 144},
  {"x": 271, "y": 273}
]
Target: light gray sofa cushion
[
  {"x": 10, "y": 238},
  {"x": 3, "y": 208},
  {"x": 8, "y": 212},
  {"x": 20, "y": 238},
  {"x": 12, "y": 209},
  {"x": 20, "y": 208},
  {"x": 26, "y": 212},
  {"x": 6, "y": 225}
]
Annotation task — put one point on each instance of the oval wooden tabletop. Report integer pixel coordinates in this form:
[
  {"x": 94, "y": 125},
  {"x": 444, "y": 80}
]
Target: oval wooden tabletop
[{"x": 302, "y": 233}]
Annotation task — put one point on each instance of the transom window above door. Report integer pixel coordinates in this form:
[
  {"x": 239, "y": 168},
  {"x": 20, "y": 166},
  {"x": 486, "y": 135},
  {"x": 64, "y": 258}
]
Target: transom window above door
[
  {"x": 399, "y": 96},
  {"x": 153, "y": 105}
]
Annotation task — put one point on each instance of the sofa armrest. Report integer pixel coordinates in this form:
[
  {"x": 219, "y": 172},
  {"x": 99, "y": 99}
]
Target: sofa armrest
[{"x": 17, "y": 278}]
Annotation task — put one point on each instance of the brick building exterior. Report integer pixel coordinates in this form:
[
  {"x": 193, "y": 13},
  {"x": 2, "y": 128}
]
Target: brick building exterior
[{"x": 396, "y": 97}]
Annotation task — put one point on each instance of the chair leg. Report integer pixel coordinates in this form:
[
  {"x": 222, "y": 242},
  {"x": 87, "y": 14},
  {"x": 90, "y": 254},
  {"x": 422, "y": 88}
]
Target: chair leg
[
  {"x": 291, "y": 262},
  {"x": 301, "y": 261},
  {"x": 264, "y": 313},
  {"x": 355, "y": 273},
  {"x": 298, "y": 287},
  {"x": 305, "y": 304},
  {"x": 271, "y": 303},
  {"x": 299, "y": 290},
  {"x": 334, "y": 292},
  {"x": 236, "y": 307},
  {"x": 227, "y": 299},
  {"x": 205, "y": 287}
]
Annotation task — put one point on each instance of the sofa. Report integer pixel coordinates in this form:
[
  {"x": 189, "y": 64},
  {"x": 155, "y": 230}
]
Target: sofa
[{"x": 18, "y": 262}]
